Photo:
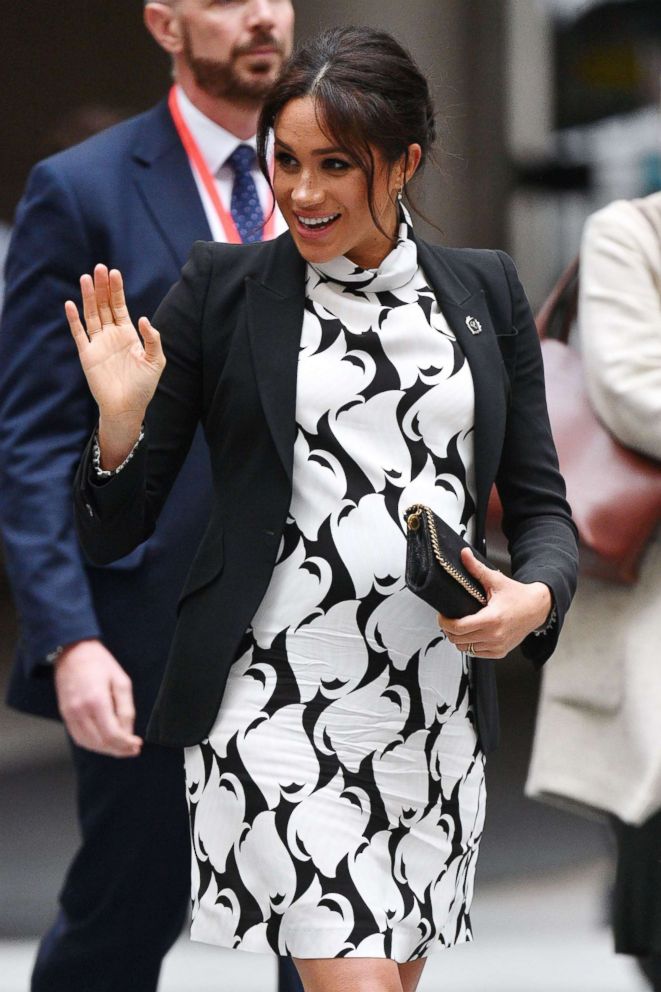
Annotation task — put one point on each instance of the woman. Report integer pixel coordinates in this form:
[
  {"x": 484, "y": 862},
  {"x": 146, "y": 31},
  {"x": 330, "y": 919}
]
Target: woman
[
  {"x": 601, "y": 698},
  {"x": 342, "y": 372}
]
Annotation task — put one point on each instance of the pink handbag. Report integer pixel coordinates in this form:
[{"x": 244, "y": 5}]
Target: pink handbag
[{"x": 614, "y": 492}]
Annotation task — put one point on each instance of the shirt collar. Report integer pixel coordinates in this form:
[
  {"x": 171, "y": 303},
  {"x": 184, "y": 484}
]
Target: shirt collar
[{"x": 215, "y": 143}]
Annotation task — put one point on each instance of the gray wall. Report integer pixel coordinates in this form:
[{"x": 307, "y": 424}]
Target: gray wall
[{"x": 58, "y": 55}]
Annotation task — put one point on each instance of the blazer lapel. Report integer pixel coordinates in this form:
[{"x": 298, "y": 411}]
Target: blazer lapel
[
  {"x": 461, "y": 309},
  {"x": 275, "y": 304},
  {"x": 167, "y": 186}
]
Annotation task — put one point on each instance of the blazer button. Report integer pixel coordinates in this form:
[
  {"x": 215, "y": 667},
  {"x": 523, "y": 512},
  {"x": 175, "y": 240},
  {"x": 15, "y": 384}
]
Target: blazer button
[{"x": 269, "y": 533}]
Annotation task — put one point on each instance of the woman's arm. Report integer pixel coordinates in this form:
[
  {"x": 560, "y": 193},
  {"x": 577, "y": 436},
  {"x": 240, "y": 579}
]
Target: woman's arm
[
  {"x": 537, "y": 520},
  {"x": 541, "y": 535},
  {"x": 115, "y": 513},
  {"x": 620, "y": 321}
]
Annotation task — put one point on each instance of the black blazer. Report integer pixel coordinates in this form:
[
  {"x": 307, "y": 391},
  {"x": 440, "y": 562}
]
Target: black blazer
[{"x": 231, "y": 330}]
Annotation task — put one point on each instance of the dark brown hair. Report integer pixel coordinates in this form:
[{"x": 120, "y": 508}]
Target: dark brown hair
[{"x": 369, "y": 94}]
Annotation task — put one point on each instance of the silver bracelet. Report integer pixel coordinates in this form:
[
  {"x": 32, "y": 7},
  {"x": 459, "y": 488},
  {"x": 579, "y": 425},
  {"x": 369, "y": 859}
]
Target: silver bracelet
[
  {"x": 548, "y": 623},
  {"x": 104, "y": 473}
]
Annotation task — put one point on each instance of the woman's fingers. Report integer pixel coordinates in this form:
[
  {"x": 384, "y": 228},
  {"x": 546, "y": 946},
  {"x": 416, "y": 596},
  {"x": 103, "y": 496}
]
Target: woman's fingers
[
  {"x": 122, "y": 369},
  {"x": 117, "y": 298},
  {"x": 102, "y": 291},
  {"x": 152, "y": 343},
  {"x": 479, "y": 634},
  {"x": 488, "y": 577},
  {"x": 464, "y": 628},
  {"x": 90, "y": 308},
  {"x": 477, "y": 650},
  {"x": 514, "y": 610},
  {"x": 104, "y": 303},
  {"x": 75, "y": 325},
  {"x": 468, "y": 632}
]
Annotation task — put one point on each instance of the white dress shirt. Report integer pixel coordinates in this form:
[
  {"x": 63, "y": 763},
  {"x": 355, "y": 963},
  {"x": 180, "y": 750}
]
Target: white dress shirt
[{"x": 216, "y": 145}]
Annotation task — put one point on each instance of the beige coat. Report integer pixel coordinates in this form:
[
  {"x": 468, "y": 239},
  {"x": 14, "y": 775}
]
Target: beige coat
[{"x": 598, "y": 738}]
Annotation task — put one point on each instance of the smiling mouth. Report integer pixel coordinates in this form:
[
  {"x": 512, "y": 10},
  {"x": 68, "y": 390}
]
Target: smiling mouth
[{"x": 317, "y": 223}]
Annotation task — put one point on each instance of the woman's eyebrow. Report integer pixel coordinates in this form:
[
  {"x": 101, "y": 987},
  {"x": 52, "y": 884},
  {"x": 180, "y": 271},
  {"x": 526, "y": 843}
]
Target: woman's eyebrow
[{"x": 315, "y": 151}]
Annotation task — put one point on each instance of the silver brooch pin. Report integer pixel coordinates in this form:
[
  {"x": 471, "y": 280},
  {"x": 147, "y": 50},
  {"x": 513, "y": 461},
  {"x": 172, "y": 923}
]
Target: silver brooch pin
[{"x": 473, "y": 325}]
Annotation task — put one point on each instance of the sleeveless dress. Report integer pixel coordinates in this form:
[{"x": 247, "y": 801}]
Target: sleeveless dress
[{"x": 337, "y": 806}]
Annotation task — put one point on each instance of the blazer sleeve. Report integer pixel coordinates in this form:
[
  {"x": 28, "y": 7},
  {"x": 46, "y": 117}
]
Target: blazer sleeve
[
  {"x": 541, "y": 534},
  {"x": 45, "y": 416},
  {"x": 114, "y": 515},
  {"x": 620, "y": 322}
]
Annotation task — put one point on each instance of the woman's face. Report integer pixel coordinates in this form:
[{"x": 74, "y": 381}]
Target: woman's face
[{"x": 323, "y": 195}]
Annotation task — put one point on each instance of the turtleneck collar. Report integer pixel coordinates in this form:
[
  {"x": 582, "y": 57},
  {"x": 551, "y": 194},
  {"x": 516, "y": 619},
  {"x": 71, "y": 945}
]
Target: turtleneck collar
[{"x": 395, "y": 271}]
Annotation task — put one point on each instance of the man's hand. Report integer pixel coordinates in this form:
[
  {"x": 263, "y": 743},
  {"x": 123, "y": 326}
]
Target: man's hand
[
  {"x": 95, "y": 698},
  {"x": 514, "y": 609}
]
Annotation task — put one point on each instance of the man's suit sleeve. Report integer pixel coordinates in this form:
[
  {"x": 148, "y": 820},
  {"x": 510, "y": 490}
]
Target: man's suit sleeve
[
  {"x": 114, "y": 515},
  {"x": 45, "y": 413}
]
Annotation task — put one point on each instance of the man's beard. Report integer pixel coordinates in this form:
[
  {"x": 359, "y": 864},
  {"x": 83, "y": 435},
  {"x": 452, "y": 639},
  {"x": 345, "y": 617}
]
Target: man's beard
[{"x": 223, "y": 80}]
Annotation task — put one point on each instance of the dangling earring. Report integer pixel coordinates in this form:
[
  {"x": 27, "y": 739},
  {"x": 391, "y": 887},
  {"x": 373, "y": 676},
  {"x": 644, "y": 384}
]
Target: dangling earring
[{"x": 400, "y": 194}]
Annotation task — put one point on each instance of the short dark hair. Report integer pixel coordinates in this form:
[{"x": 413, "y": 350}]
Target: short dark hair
[{"x": 369, "y": 94}]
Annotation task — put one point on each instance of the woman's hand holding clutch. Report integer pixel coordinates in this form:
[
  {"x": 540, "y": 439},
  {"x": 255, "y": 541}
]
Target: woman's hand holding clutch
[
  {"x": 514, "y": 610},
  {"x": 122, "y": 370}
]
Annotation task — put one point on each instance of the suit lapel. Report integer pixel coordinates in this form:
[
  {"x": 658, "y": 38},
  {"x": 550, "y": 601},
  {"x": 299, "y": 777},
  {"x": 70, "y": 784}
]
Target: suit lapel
[
  {"x": 275, "y": 304},
  {"x": 167, "y": 186},
  {"x": 461, "y": 308}
]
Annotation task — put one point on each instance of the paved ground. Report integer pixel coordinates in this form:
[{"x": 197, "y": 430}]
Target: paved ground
[{"x": 541, "y": 935}]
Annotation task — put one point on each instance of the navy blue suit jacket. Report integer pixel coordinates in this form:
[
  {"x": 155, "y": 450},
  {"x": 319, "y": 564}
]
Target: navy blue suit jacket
[{"x": 126, "y": 197}]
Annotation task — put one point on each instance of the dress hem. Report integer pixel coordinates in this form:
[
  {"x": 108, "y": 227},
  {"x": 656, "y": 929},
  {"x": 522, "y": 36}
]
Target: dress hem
[{"x": 466, "y": 938}]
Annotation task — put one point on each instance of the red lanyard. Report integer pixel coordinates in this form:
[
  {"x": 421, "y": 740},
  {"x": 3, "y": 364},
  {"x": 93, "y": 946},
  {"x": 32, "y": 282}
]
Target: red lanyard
[{"x": 197, "y": 162}]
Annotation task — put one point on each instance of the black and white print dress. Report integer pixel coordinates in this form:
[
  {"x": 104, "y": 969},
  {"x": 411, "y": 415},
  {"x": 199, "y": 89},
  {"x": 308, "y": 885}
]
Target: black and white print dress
[{"x": 337, "y": 805}]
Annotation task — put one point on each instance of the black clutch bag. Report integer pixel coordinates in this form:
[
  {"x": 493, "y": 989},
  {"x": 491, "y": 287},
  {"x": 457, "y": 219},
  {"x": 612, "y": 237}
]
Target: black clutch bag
[{"x": 434, "y": 569}]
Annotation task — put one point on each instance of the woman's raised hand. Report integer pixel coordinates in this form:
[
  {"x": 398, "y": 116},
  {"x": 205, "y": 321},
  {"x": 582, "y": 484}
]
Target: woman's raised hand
[{"x": 121, "y": 370}]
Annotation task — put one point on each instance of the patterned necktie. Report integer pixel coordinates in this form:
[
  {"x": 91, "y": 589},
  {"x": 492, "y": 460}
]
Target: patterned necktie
[{"x": 245, "y": 206}]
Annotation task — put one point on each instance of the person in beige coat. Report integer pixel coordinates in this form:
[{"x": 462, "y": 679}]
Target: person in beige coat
[{"x": 597, "y": 744}]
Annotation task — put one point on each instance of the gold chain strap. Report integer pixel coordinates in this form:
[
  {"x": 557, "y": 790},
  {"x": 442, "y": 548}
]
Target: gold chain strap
[{"x": 413, "y": 515}]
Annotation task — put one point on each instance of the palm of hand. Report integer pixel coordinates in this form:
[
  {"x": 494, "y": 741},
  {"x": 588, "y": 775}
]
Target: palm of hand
[
  {"x": 119, "y": 376},
  {"x": 122, "y": 371}
]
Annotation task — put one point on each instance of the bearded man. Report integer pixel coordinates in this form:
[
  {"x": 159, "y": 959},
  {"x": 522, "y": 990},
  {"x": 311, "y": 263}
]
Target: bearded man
[{"x": 93, "y": 641}]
